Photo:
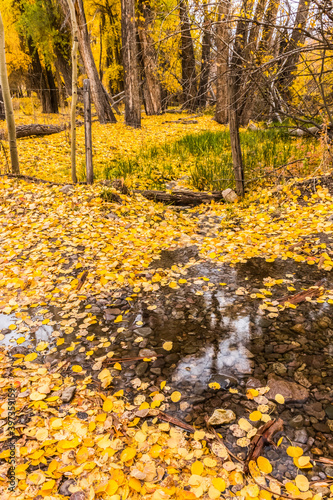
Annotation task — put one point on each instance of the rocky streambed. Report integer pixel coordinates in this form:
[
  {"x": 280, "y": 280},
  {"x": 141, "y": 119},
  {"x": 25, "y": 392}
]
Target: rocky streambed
[{"x": 218, "y": 335}]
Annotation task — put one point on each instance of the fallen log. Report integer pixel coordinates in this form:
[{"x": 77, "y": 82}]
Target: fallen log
[
  {"x": 182, "y": 198},
  {"x": 34, "y": 129}
]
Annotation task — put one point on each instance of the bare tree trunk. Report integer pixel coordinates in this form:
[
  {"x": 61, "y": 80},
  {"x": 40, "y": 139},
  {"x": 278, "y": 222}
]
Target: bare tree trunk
[
  {"x": 102, "y": 105},
  {"x": 222, "y": 56},
  {"x": 187, "y": 58},
  {"x": 151, "y": 85},
  {"x": 234, "y": 135},
  {"x": 8, "y": 103},
  {"x": 205, "y": 61},
  {"x": 234, "y": 100},
  {"x": 130, "y": 64},
  {"x": 74, "y": 89},
  {"x": 289, "y": 63},
  {"x": 2, "y": 106}
]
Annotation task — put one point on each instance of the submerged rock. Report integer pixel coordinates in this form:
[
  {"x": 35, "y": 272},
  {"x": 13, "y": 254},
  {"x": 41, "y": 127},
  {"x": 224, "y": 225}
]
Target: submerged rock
[
  {"x": 291, "y": 391},
  {"x": 221, "y": 416}
]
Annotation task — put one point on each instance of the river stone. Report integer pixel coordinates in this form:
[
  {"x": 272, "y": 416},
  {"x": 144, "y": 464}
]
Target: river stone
[
  {"x": 64, "y": 488},
  {"x": 141, "y": 369},
  {"x": 297, "y": 422},
  {"x": 301, "y": 379},
  {"x": 221, "y": 416},
  {"x": 279, "y": 368},
  {"x": 289, "y": 390},
  {"x": 329, "y": 411},
  {"x": 78, "y": 495},
  {"x": 147, "y": 353},
  {"x": 301, "y": 436},
  {"x": 144, "y": 331},
  {"x": 68, "y": 393},
  {"x": 315, "y": 410}
]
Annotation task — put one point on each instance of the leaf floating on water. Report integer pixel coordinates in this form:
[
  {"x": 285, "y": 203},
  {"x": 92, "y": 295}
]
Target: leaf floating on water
[
  {"x": 167, "y": 346},
  {"x": 255, "y": 416},
  {"x": 279, "y": 399},
  {"x": 294, "y": 451},
  {"x": 176, "y": 396}
]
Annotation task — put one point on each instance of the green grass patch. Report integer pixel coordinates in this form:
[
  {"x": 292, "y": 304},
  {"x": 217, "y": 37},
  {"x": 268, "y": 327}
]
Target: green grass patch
[{"x": 205, "y": 158}]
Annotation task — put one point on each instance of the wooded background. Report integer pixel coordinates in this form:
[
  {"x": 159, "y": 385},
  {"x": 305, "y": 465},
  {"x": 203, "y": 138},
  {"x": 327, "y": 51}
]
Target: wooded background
[{"x": 253, "y": 59}]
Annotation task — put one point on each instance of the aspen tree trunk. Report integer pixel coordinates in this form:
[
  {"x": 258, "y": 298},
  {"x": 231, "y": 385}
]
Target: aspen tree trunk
[
  {"x": 234, "y": 101},
  {"x": 205, "y": 61},
  {"x": 236, "y": 150},
  {"x": 222, "y": 56},
  {"x": 8, "y": 103},
  {"x": 130, "y": 64},
  {"x": 74, "y": 89},
  {"x": 99, "y": 97},
  {"x": 189, "y": 83},
  {"x": 151, "y": 85}
]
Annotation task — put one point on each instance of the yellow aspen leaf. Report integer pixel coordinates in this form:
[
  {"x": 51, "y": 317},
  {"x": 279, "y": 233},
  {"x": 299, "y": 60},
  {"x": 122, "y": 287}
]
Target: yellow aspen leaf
[
  {"x": 140, "y": 437},
  {"x": 197, "y": 468},
  {"x": 77, "y": 368},
  {"x": 214, "y": 385},
  {"x": 198, "y": 435},
  {"x": 252, "y": 490},
  {"x": 294, "y": 451},
  {"x": 213, "y": 492},
  {"x": 127, "y": 454},
  {"x": 111, "y": 487},
  {"x": 118, "y": 319},
  {"x": 155, "y": 451},
  {"x": 42, "y": 346},
  {"x": 20, "y": 340},
  {"x": 279, "y": 399},
  {"x": 252, "y": 393},
  {"x": 167, "y": 346},
  {"x": 302, "y": 462},
  {"x": 245, "y": 425},
  {"x": 48, "y": 485},
  {"x": 107, "y": 405},
  {"x": 264, "y": 465},
  {"x": 235, "y": 477},
  {"x": 255, "y": 416},
  {"x": 265, "y": 495},
  {"x": 302, "y": 482},
  {"x": 219, "y": 484},
  {"x": 31, "y": 356},
  {"x": 134, "y": 484},
  {"x": 57, "y": 423},
  {"x": 209, "y": 462},
  {"x": 60, "y": 341},
  {"x": 280, "y": 441},
  {"x": 37, "y": 396},
  {"x": 41, "y": 434},
  {"x": 12, "y": 327},
  {"x": 82, "y": 455},
  {"x": 176, "y": 396},
  {"x": 117, "y": 366},
  {"x": 292, "y": 488},
  {"x": 163, "y": 384},
  {"x": 105, "y": 377}
]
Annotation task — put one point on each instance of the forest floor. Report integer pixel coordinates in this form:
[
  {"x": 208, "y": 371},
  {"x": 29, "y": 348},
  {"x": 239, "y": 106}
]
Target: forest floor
[{"x": 124, "y": 326}]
